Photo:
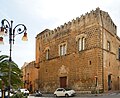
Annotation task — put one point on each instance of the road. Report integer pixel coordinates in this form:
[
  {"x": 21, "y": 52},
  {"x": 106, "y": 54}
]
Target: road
[{"x": 111, "y": 95}]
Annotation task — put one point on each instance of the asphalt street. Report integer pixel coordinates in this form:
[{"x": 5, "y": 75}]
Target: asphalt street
[{"x": 108, "y": 95}]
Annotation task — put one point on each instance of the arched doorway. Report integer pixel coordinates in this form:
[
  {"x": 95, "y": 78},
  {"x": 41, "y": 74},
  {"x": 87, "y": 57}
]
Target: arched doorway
[
  {"x": 118, "y": 83},
  {"x": 63, "y": 79},
  {"x": 109, "y": 82}
]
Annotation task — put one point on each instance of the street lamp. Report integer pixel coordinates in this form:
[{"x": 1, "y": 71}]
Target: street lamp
[{"x": 7, "y": 27}]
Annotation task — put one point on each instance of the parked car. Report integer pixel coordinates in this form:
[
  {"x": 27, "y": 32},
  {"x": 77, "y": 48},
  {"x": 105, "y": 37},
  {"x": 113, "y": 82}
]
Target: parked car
[
  {"x": 64, "y": 92},
  {"x": 38, "y": 93},
  {"x": 6, "y": 94},
  {"x": 25, "y": 91}
]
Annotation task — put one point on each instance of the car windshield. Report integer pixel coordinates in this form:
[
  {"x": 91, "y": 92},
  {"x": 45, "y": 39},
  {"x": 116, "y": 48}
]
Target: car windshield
[
  {"x": 67, "y": 89},
  {"x": 60, "y": 89}
]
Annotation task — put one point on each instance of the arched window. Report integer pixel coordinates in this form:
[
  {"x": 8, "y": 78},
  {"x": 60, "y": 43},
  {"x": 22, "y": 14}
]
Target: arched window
[
  {"x": 119, "y": 53},
  {"x": 62, "y": 49},
  {"x": 81, "y": 43},
  {"x": 47, "y": 54},
  {"x": 108, "y": 45}
]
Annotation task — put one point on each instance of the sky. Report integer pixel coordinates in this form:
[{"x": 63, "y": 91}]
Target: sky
[{"x": 38, "y": 15}]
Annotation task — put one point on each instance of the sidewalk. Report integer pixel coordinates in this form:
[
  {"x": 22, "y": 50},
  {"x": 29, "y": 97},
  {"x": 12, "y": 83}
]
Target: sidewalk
[{"x": 111, "y": 92}]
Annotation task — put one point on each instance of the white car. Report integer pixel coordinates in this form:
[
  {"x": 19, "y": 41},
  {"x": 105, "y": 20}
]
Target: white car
[
  {"x": 25, "y": 91},
  {"x": 64, "y": 92},
  {"x": 6, "y": 94}
]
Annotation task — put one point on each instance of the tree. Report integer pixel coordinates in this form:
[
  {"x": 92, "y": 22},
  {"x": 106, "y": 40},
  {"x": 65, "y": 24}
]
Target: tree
[{"x": 16, "y": 73}]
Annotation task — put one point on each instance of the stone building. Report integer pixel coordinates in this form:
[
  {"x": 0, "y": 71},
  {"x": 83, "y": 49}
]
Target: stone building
[
  {"x": 30, "y": 76},
  {"x": 82, "y": 54}
]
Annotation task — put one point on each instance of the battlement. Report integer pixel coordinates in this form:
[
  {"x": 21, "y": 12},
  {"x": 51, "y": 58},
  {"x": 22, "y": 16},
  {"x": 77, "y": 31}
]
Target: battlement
[
  {"x": 107, "y": 22},
  {"x": 94, "y": 17}
]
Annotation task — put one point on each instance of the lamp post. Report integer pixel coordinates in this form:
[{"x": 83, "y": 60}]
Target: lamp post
[{"x": 7, "y": 27}]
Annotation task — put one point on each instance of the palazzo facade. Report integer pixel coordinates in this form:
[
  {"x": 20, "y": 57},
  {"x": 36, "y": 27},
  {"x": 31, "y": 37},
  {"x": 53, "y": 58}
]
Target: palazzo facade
[{"x": 83, "y": 54}]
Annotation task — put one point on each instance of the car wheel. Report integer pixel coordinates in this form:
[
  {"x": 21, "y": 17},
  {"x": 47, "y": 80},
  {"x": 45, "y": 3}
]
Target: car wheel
[
  {"x": 66, "y": 95},
  {"x": 55, "y": 95}
]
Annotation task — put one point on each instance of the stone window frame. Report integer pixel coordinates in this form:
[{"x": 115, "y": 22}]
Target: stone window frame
[
  {"x": 96, "y": 81},
  {"x": 81, "y": 41},
  {"x": 62, "y": 48},
  {"x": 47, "y": 53},
  {"x": 119, "y": 53},
  {"x": 90, "y": 62},
  {"x": 108, "y": 46}
]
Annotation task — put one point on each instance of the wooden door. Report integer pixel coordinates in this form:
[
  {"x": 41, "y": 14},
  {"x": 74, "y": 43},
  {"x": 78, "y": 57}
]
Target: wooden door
[
  {"x": 118, "y": 84},
  {"x": 63, "y": 82},
  {"x": 109, "y": 82}
]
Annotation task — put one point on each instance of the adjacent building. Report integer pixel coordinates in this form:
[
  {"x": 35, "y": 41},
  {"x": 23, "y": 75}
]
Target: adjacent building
[
  {"x": 30, "y": 76},
  {"x": 83, "y": 54}
]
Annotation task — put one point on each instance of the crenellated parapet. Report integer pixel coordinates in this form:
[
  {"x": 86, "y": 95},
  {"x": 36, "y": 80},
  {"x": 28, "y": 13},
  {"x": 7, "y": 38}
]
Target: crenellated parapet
[
  {"x": 95, "y": 17},
  {"x": 107, "y": 23}
]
